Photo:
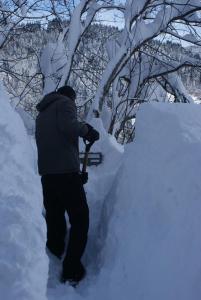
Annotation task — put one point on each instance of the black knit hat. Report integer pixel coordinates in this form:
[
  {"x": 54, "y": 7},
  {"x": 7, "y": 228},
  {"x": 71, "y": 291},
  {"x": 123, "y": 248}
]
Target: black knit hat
[{"x": 67, "y": 91}]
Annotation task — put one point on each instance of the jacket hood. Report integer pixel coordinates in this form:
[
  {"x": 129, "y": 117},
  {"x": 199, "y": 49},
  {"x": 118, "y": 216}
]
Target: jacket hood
[{"x": 47, "y": 100}]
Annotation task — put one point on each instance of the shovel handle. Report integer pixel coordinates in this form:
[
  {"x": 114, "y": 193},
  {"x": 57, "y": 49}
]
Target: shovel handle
[
  {"x": 88, "y": 145},
  {"x": 87, "y": 149}
]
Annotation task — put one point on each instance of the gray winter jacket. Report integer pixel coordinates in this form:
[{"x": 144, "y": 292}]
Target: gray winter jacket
[{"x": 57, "y": 134}]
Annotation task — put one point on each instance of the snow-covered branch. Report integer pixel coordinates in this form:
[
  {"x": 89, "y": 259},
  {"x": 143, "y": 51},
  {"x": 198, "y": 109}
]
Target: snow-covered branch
[
  {"x": 11, "y": 16},
  {"x": 77, "y": 28},
  {"x": 139, "y": 30}
]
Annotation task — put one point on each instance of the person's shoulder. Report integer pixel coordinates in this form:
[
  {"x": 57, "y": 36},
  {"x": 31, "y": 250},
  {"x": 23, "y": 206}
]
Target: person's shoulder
[{"x": 47, "y": 101}]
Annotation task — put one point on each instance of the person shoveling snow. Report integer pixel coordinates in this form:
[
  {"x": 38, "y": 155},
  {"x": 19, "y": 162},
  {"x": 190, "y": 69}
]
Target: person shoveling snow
[{"x": 57, "y": 134}]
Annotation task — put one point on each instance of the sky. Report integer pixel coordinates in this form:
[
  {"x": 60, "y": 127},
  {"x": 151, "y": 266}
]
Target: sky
[{"x": 111, "y": 18}]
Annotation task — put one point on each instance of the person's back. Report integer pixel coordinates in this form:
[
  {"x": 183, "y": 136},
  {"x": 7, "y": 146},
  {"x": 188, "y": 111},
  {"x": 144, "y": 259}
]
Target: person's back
[{"x": 57, "y": 133}]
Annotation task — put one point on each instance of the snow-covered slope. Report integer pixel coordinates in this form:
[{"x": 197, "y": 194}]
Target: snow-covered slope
[
  {"x": 23, "y": 262},
  {"x": 153, "y": 247}
]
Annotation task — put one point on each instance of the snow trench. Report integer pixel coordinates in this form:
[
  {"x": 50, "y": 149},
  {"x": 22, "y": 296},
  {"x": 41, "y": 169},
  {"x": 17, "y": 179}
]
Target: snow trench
[
  {"x": 153, "y": 244},
  {"x": 98, "y": 188},
  {"x": 145, "y": 213},
  {"x": 150, "y": 245}
]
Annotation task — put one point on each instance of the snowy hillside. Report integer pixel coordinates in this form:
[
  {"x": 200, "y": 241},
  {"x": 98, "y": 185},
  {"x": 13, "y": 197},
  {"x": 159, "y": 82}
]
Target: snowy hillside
[{"x": 22, "y": 53}]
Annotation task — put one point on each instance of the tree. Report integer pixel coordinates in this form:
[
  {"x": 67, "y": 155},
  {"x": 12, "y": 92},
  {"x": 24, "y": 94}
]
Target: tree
[
  {"x": 14, "y": 16},
  {"x": 137, "y": 58},
  {"x": 113, "y": 72},
  {"x": 57, "y": 58}
]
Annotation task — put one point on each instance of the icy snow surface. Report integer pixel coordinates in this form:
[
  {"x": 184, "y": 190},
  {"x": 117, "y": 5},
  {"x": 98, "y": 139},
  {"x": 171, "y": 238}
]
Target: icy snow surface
[
  {"x": 149, "y": 241},
  {"x": 23, "y": 263}
]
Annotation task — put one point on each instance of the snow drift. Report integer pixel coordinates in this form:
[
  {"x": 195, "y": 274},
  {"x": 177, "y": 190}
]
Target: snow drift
[
  {"x": 150, "y": 214},
  {"x": 153, "y": 245},
  {"x": 23, "y": 263}
]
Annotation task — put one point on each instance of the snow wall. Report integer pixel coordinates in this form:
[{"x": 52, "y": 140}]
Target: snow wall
[
  {"x": 23, "y": 262},
  {"x": 153, "y": 245}
]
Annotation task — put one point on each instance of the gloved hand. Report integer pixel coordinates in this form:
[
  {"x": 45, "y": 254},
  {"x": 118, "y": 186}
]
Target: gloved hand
[
  {"x": 92, "y": 134},
  {"x": 84, "y": 177}
]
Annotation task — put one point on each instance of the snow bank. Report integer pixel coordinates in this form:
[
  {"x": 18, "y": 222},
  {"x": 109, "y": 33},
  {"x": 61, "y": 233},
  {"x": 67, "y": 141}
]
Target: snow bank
[
  {"x": 153, "y": 246},
  {"x": 23, "y": 263}
]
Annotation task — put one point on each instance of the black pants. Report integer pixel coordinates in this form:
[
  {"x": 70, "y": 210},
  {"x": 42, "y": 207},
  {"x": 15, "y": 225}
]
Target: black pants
[{"x": 65, "y": 192}]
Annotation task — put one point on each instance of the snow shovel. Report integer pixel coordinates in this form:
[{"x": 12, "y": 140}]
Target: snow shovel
[
  {"x": 84, "y": 173},
  {"x": 86, "y": 155},
  {"x": 89, "y": 159}
]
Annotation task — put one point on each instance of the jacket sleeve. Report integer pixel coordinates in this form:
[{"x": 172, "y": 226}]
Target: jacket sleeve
[{"x": 67, "y": 119}]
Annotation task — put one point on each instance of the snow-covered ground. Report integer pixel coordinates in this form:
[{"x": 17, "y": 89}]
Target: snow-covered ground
[{"x": 145, "y": 211}]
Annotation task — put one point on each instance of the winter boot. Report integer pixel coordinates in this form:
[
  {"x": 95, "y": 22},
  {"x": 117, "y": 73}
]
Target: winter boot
[{"x": 73, "y": 273}]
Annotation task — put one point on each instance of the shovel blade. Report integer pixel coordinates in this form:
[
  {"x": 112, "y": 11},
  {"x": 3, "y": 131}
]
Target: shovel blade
[{"x": 94, "y": 158}]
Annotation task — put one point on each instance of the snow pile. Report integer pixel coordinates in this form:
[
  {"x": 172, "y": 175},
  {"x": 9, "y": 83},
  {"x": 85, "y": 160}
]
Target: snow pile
[
  {"x": 153, "y": 246},
  {"x": 23, "y": 263}
]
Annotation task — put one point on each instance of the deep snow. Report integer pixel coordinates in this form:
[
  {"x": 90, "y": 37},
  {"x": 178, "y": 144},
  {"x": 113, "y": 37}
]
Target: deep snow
[
  {"x": 150, "y": 243},
  {"x": 145, "y": 211},
  {"x": 23, "y": 262},
  {"x": 153, "y": 247}
]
